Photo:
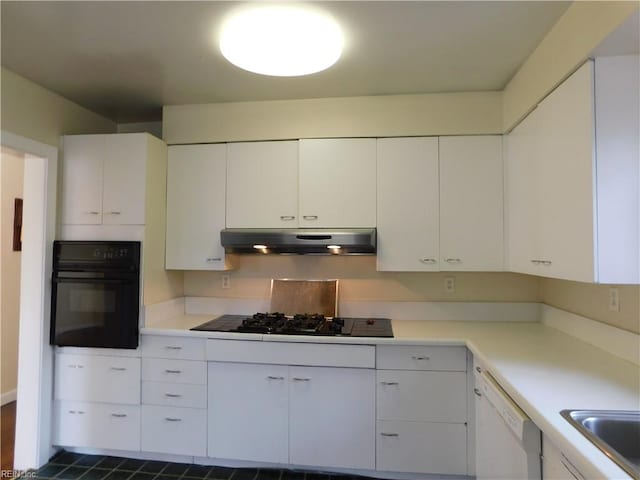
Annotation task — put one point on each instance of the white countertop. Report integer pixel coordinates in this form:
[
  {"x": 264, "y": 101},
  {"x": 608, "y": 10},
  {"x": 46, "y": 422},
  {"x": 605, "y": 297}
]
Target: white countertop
[{"x": 541, "y": 368}]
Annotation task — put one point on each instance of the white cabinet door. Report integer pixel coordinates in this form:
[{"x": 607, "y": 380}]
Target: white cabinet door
[
  {"x": 408, "y": 204},
  {"x": 471, "y": 203},
  {"x": 248, "y": 412},
  {"x": 262, "y": 185},
  {"x": 81, "y": 185},
  {"x": 332, "y": 417},
  {"x": 555, "y": 466},
  {"x": 125, "y": 161},
  {"x": 196, "y": 179},
  {"x": 337, "y": 183}
]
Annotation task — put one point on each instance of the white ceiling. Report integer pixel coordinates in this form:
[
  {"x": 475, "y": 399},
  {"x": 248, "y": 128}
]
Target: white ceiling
[{"x": 127, "y": 59}]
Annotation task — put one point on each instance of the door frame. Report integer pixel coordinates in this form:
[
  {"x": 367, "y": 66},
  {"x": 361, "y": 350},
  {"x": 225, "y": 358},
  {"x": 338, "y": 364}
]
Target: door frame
[{"x": 33, "y": 446}]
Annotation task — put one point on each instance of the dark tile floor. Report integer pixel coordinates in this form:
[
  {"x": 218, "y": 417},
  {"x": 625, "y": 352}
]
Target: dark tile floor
[{"x": 75, "y": 466}]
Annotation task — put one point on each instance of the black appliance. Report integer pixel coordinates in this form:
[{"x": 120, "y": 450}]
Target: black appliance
[
  {"x": 301, "y": 324},
  {"x": 95, "y": 294}
]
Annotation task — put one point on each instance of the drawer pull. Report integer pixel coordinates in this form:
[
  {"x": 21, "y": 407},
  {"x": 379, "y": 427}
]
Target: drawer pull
[
  {"x": 75, "y": 366},
  {"x": 429, "y": 261},
  {"x": 113, "y": 213},
  {"x": 173, "y": 371},
  {"x": 274, "y": 377},
  {"x": 389, "y": 383},
  {"x": 172, "y": 395},
  {"x": 287, "y": 217},
  {"x": 171, "y": 347},
  {"x": 310, "y": 217},
  {"x": 477, "y": 392},
  {"x": 384, "y": 434},
  {"x": 92, "y": 212},
  {"x": 118, "y": 369},
  {"x": 172, "y": 419},
  {"x": 119, "y": 415},
  {"x": 420, "y": 357},
  {"x": 478, "y": 369},
  {"x": 453, "y": 260},
  {"x": 214, "y": 259},
  {"x": 301, "y": 379}
]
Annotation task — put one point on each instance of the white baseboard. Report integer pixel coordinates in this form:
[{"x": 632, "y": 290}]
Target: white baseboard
[
  {"x": 8, "y": 397},
  {"x": 615, "y": 341}
]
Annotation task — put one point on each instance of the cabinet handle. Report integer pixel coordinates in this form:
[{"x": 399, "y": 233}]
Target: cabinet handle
[
  {"x": 171, "y": 347},
  {"x": 72, "y": 412},
  {"x": 310, "y": 217},
  {"x": 80, "y": 412},
  {"x": 118, "y": 369},
  {"x": 92, "y": 212},
  {"x": 384, "y": 434},
  {"x": 274, "y": 377},
  {"x": 119, "y": 415},
  {"x": 478, "y": 369},
  {"x": 477, "y": 392},
  {"x": 113, "y": 213},
  {"x": 173, "y": 371},
  {"x": 429, "y": 261},
  {"x": 172, "y": 395},
  {"x": 417, "y": 357},
  {"x": 536, "y": 262},
  {"x": 545, "y": 262},
  {"x": 453, "y": 260},
  {"x": 288, "y": 217},
  {"x": 75, "y": 366},
  {"x": 172, "y": 419},
  {"x": 214, "y": 259},
  {"x": 301, "y": 379},
  {"x": 389, "y": 383}
]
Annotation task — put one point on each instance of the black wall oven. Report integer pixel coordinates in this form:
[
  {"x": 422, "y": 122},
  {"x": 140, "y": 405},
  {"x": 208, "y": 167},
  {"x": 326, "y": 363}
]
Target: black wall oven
[{"x": 95, "y": 294}]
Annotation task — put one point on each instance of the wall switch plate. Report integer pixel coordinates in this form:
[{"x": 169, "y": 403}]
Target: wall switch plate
[
  {"x": 226, "y": 281},
  {"x": 614, "y": 300},
  {"x": 449, "y": 284}
]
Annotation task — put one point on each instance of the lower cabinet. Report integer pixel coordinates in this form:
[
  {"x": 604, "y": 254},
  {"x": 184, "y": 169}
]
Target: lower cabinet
[
  {"x": 176, "y": 430},
  {"x": 555, "y": 466},
  {"x": 96, "y": 425},
  {"x": 315, "y": 416}
]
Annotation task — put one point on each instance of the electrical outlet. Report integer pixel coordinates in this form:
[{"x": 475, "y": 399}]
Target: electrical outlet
[
  {"x": 449, "y": 284},
  {"x": 614, "y": 300},
  {"x": 226, "y": 281}
]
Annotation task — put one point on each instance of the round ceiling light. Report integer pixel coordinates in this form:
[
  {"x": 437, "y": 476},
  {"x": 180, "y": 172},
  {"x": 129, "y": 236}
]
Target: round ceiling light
[{"x": 282, "y": 41}]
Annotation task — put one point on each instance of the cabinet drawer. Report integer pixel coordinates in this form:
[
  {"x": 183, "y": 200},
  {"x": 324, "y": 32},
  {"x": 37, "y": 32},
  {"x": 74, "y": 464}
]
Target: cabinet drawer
[
  {"x": 424, "y": 396},
  {"x": 96, "y": 425},
  {"x": 174, "y": 371},
  {"x": 421, "y": 358},
  {"x": 421, "y": 447},
  {"x": 181, "y": 348},
  {"x": 285, "y": 353},
  {"x": 180, "y": 431},
  {"x": 174, "y": 394},
  {"x": 97, "y": 378}
]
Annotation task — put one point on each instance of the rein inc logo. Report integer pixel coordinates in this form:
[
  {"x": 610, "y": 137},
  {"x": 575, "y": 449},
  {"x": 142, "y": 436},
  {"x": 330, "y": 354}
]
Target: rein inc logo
[{"x": 17, "y": 474}]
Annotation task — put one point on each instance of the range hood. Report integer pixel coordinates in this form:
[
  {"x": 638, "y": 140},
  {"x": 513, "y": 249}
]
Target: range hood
[{"x": 303, "y": 241}]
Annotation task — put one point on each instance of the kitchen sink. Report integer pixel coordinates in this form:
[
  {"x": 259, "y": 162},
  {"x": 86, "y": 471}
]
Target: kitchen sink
[{"x": 615, "y": 432}]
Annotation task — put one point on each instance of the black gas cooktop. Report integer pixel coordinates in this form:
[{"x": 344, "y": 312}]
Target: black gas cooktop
[{"x": 300, "y": 324}]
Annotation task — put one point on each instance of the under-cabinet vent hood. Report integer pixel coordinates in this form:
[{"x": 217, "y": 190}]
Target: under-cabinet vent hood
[{"x": 304, "y": 241}]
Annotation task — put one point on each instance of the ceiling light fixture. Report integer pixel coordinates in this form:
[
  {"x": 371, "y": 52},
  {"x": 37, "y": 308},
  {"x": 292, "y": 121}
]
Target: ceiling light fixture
[{"x": 282, "y": 41}]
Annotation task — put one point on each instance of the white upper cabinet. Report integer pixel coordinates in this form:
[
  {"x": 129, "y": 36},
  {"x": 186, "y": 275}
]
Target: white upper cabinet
[
  {"x": 262, "y": 185},
  {"x": 103, "y": 179},
  {"x": 471, "y": 203},
  {"x": 337, "y": 182},
  {"x": 408, "y": 204},
  {"x": 572, "y": 168},
  {"x": 195, "y": 207}
]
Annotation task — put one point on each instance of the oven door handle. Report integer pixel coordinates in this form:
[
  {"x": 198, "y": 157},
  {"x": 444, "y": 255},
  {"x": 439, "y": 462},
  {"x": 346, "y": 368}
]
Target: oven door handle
[{"x": 108, "y": 281}]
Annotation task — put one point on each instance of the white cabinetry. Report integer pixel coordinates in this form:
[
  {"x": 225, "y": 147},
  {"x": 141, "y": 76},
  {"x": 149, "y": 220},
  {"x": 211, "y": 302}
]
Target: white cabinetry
[
  {"x": 196, "y": 179},
  {"x": 318, "y": 183},
  {"x": 103, "y": 179},
  {"x": 440, "y": 204},
  {"x": 262, "y": 185},
  {"x": 318, "y": 416},
  {"x": 338, "y": 182},
  {"x": 174, "y": 395},
  {"x": 555, "y": 466},
  {"x": 421, "y": 409},
  {"x": 572, "y": 186},
  {"x": 408, "y": 204},
  {"x": 96, "y": 401}
]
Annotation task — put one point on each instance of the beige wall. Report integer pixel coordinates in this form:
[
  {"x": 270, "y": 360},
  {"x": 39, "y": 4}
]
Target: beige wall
[
  {"x": 592, "y": 301},
  {"x": 39, "y": 114},
  {"x": 360, "y": 281},
  {"x": 11, "y": 181},
  {"x": 390, "y": 115},
  {"x": 567, "y": 45}
]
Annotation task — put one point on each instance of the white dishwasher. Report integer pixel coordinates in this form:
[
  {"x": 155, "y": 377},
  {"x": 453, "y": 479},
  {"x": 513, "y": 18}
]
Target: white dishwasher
[{"x": 507, "y": 441}]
